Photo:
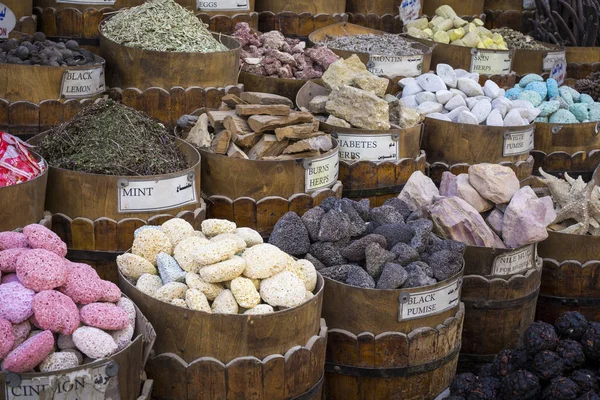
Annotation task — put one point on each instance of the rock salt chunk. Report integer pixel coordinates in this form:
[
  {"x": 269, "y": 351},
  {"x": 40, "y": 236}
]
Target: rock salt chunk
[
  {"x": 447, "y": 73},
  {"x": 467, "y": 117},
  {"x": 469, "y": 87}
]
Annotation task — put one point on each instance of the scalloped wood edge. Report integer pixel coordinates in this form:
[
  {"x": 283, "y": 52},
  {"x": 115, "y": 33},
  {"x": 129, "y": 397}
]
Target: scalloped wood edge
[
  {"x": 262, "y": 215},
  {"x": 276, "y": 377},
  {"x": 26, "y": 25},
  {"x": 561, "y": 161},
  {"x": 502, "y": 285},
  {"x": 523, "y": 169},
  {"x": 24, "y": 118},
  {"x": 380, "y": 174},
  {"x": 293, "y": 24}
]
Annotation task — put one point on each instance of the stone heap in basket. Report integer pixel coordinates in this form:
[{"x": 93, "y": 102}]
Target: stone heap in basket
[{"x": 259, "y": 126}]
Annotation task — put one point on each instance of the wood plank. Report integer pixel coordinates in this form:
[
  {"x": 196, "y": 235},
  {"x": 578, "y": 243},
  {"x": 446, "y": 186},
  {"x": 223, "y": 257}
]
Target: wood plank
[
  {"x": 261, "y": 123},
  {"x": 247, "y": 110},
  {"x": 244, "y": 379},
  {"x": 206, "y": 380},
  {"x": 265, "y": 98},
  {"x": 300, "y": 131},
  {"x": 105, "y": 234},
  {"x": 82, "y": 230},
  {"x": 268, "y": 146},
  {"x": 274, "y": 377}
]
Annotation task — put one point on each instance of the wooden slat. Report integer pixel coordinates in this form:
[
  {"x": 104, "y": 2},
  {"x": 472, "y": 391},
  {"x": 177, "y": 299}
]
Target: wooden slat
[
  {"x": 206, "y": 379},
  {"x": 244, "y": 379}
]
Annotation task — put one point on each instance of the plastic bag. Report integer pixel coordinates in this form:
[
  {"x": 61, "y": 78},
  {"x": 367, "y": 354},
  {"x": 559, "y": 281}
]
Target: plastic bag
[{"x": 17, "y": 164}]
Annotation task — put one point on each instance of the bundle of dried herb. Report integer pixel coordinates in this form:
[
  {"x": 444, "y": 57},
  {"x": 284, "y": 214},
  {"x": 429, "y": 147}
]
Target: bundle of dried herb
[
  {"x": 161, "y": 25},
  {"x": 109, "y": 138},
  {"x": 386, "y": 45}
]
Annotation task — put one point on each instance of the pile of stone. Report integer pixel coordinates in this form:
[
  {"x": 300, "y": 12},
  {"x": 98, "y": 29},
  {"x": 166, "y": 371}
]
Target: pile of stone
[
  {"x": 486, "y": 207},
  {"x": 357, "y": 99},
  {"x": 257, "y": 126},
  {"x": 386, "y": 247},
  {"x": 222, "y": 269},
  {"x": 455, "y": 95},
  {"x": 448, "y": 28},
  {"x": 557, "y": 105},
  {"x": 517, "y": 40}
]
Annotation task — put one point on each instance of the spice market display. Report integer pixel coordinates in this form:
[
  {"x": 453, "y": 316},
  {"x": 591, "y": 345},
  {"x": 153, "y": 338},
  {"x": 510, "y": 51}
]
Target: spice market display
[{"x": 202, "y": 201}]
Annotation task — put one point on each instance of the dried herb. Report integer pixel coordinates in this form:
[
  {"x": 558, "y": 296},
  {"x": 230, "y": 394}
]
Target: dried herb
[
  {"x": 517, "y": 40},
  {"x": 109, "y": 138},
  {"x": 161, "y": 25},
  {"x": 567, "y": 23},
  {"x": 385, "y": 45}
]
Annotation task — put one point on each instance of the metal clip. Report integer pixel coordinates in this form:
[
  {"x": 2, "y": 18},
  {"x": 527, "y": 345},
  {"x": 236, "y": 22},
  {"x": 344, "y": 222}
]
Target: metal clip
[
  {"x": 395, "y": 136},
  {"x": 404, "y": 297},
  {"x": 122, "y": 183},
  {"x": 13, "y": 380},
  {"x": 307, "y": 163},
  {"x": 597, "y": 128},
  {"x": 190, "y": 176},
  {"x": 474, "y": 51},
  {"x": 507, "y": 135},
  {"x": 112, "y": 369},
  {"x": 556, "y": 128}
]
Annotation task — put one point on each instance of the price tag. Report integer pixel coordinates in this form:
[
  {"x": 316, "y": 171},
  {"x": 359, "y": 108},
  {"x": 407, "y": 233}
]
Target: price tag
[
  {"x": 223, "y": 5},
  {"x": 322, "y": 172},
  {"x": 82, "y": 82},
  {"x": 410, "y": 10},
  {"x": 89, "y": 2},
  {"x": 97, "y": 383},
  {"x": 139, "y": 195},
  {"x": 491, "y": 62},
  {"x": 519, "y": 142},
  {"x": 357, "y": 147},
  {"x": 551, "y": 58},
  {"x": 515, "y": 262},
  {"x": 559, "y": 70},
  {"x": 7, "y": 21},
  {"x": 393, "y": 66},
  {"x": 429, "y": 302}
]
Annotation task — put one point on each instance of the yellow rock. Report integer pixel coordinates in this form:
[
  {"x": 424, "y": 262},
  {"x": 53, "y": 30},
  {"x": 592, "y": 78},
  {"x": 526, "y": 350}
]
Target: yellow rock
[
  {"x": 458, "y": 42},
  {"x": 417, "y": 33},
  {"x": 435, "y": 20},
  {"x": 488, "y": 42},
  {"x": 456, "y": 34},
  {"x": 459, "y": 22},
  {"x": 470, "y": 39},
  {"x": 441, "y": 37},
  {"x": 478, "y": 22},
  {"x": 429, "y": 32},
  {"x": 502, "y": 47},
  {"x": 420, "y": 23},
  {"x": 445, "y": 26},
  {"x": 484, "y": 32},
  {"x": 445, "y": 11},
  {"x": 480, "y": 45}
]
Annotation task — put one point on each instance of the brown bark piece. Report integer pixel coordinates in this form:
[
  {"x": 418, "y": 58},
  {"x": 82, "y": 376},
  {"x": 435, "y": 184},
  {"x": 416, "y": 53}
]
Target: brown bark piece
[
  {"x": 268, "y": 146},
  {"x": 321, "y": 143},
  {"x": 259, "y": 109},
  {"x": 220, "y": 143},
  {"x": 236, "y": 125},
  {"x": 265, "y": 98},
  {"x": 247, "y": 140},
  {"x": 261, "y": 123},
  {"x": 300, "y": 131},
  {"x": 232, "y": 100},
  {"x": 236, "y": 152},
  {"x": 216, "y": 118}
]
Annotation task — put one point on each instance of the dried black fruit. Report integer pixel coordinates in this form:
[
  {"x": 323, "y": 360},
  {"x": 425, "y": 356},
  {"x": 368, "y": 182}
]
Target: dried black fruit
[
  {"x": 572, "y": 354},
  {"x": 520, "y": 358},
  {"x": 540, "y": 336},
  {"x": 589, "y": 396},
  {"x": 502, "y": 364},
  {"x": 585, "y": 379},
  {"x": 520, "y": 385},
  {"x": 485, "y": 389},
  {"x": 486, "y": 370},
  {"x": 463, "y": 384},
  {"x": 591, "y": 341},
  {"x": 547, "y": 365},
  {"x": 560, "y": 388},
  {"x": 570, "y": 325},
  {"x": 453, "y": 397}
]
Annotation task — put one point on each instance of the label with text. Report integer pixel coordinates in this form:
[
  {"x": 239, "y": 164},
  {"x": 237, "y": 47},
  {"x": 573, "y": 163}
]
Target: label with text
[
  {"x": 357, "y": 147},
  {"x": 223, "y": 5},
  {"x": 89, "y": 384},
  {"x": 151, "y": 195},
  {"x": 559, "y": 70},
  {"x": 517, "y": 143},
  {"x": 429, "y": 302},
  {"x": 551, "y": 57},
  {"x": 491, "y": 62},
  {"x": 393, "y": 66},
  {"x": 8, "y": 21},
  {"x": 89, "y": 2},
  {"x": 321, "y": 173},
  {"x": 82, "y": 82},
  {"x": 409, "y": 10},
  {"x": 514, "y": 262}
]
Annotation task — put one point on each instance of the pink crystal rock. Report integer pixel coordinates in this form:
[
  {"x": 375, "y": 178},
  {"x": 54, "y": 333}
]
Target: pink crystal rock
[
  {"x": 448, "y": 184},
  {"x": 30, "y": 353},
  {"x": 419, "y": 192},
  {"x": 56, "y": 312},
  {"x": 495, "y": 220},
  {"x": 465, "y": 191},
  {"x": 494, "y": 182},
  {"x": 40, "y": 237},
  {"x": 12, "y": 240},
  {"x": 15, "y": 302},
  {"x": 41, "y": 269},
  {"x": 104, "y": 316},
  {"x": 21, "y": 331}
]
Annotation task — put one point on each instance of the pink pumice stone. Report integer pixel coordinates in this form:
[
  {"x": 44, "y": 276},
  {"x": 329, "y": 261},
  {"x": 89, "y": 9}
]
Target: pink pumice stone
[
  {"x": 15, "y": 302},
  {"x": 40, "y": 269},
  {"x": 56, "y": 312},
  {"x": 30, "y": 353},
  {"x": 12, "y": 240},
  {"x": 7, "y": 338},
  {"x": 112, "y": 293},
  {"x": 40, "y": 237},
  {"x": 83, "y": 284},
  {"x": 8, "y": 278},
  {"x": 8, "y": 259},
  {"x": 104, "y": 316}
]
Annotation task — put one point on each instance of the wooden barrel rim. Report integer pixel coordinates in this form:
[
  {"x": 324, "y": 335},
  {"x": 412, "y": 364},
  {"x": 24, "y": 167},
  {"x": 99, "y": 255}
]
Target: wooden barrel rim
[
  {"x": 571, "y": 241},
  {"x": 573, "y": 301},
  {"x": 312, "y": 391},
  {"x": 365, "y": 372},
  {"x": 501, "y": 304}
]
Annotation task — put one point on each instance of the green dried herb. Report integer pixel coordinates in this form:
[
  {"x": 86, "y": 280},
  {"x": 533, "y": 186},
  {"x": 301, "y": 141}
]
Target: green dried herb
[
  {"x": 109, "y": 138},
  {"x": 161, "y": 25}
]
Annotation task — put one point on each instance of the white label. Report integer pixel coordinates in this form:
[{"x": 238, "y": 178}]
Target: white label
[
  {"x": 491, "y": 62},
  {"x": 409, "y": 10},
  {"x": 516, "y": 143},
  {"x": 551, "y": 58},
  {"x": 82, "y": 82},
  {"x": 514, "y": 262},
  {"x": 7, "y": 21},
  {"x": 90, "y": 2},
  {"x": 145, "y": 195},
  {"x": 321, "y": 173},
  {"x": 356, "y": 147},
  {"x": 559, "y": 70},
  {"x": 88, "y": 384},
  {"x": 429, "y": 302},
  {"x": 393, "y": 66},
  {"x": 223, "y": 5}
]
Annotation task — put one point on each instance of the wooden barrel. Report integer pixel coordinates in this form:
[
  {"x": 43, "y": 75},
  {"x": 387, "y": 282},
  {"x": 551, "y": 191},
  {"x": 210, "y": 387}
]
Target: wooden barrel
[
  {"x": 36, "y": 83},
  {"x": 382, "y": 346},
  {"x": 572, "y": 148},
  {"x": 404, "y": 66},
  {"x": 139, "y": 68},
  {"x": 378, "y": 7},
  {"x": 582, "y": 61},
  {"x": 461, "y": 7},
  {"x": 500, "y": 290},
  {"x": 282, "y": 86},
  {"x": 516, "y": 5},
  {"x": 122, "y": 373},
  {"x": 454, "y": 147},
  {"x": 537, "y": 61},
  {"x": 206, "y": 356},
  {"x": 571, "y": 276},
  {"x": 23, "y": 204},
  {"x": 301, "y": 6},
  {"x": 92, "y": 215},
  {"x": 514, "y": 19},
  {"x": 299, "y": 24},
  {"x": 20, "y": 8}
]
